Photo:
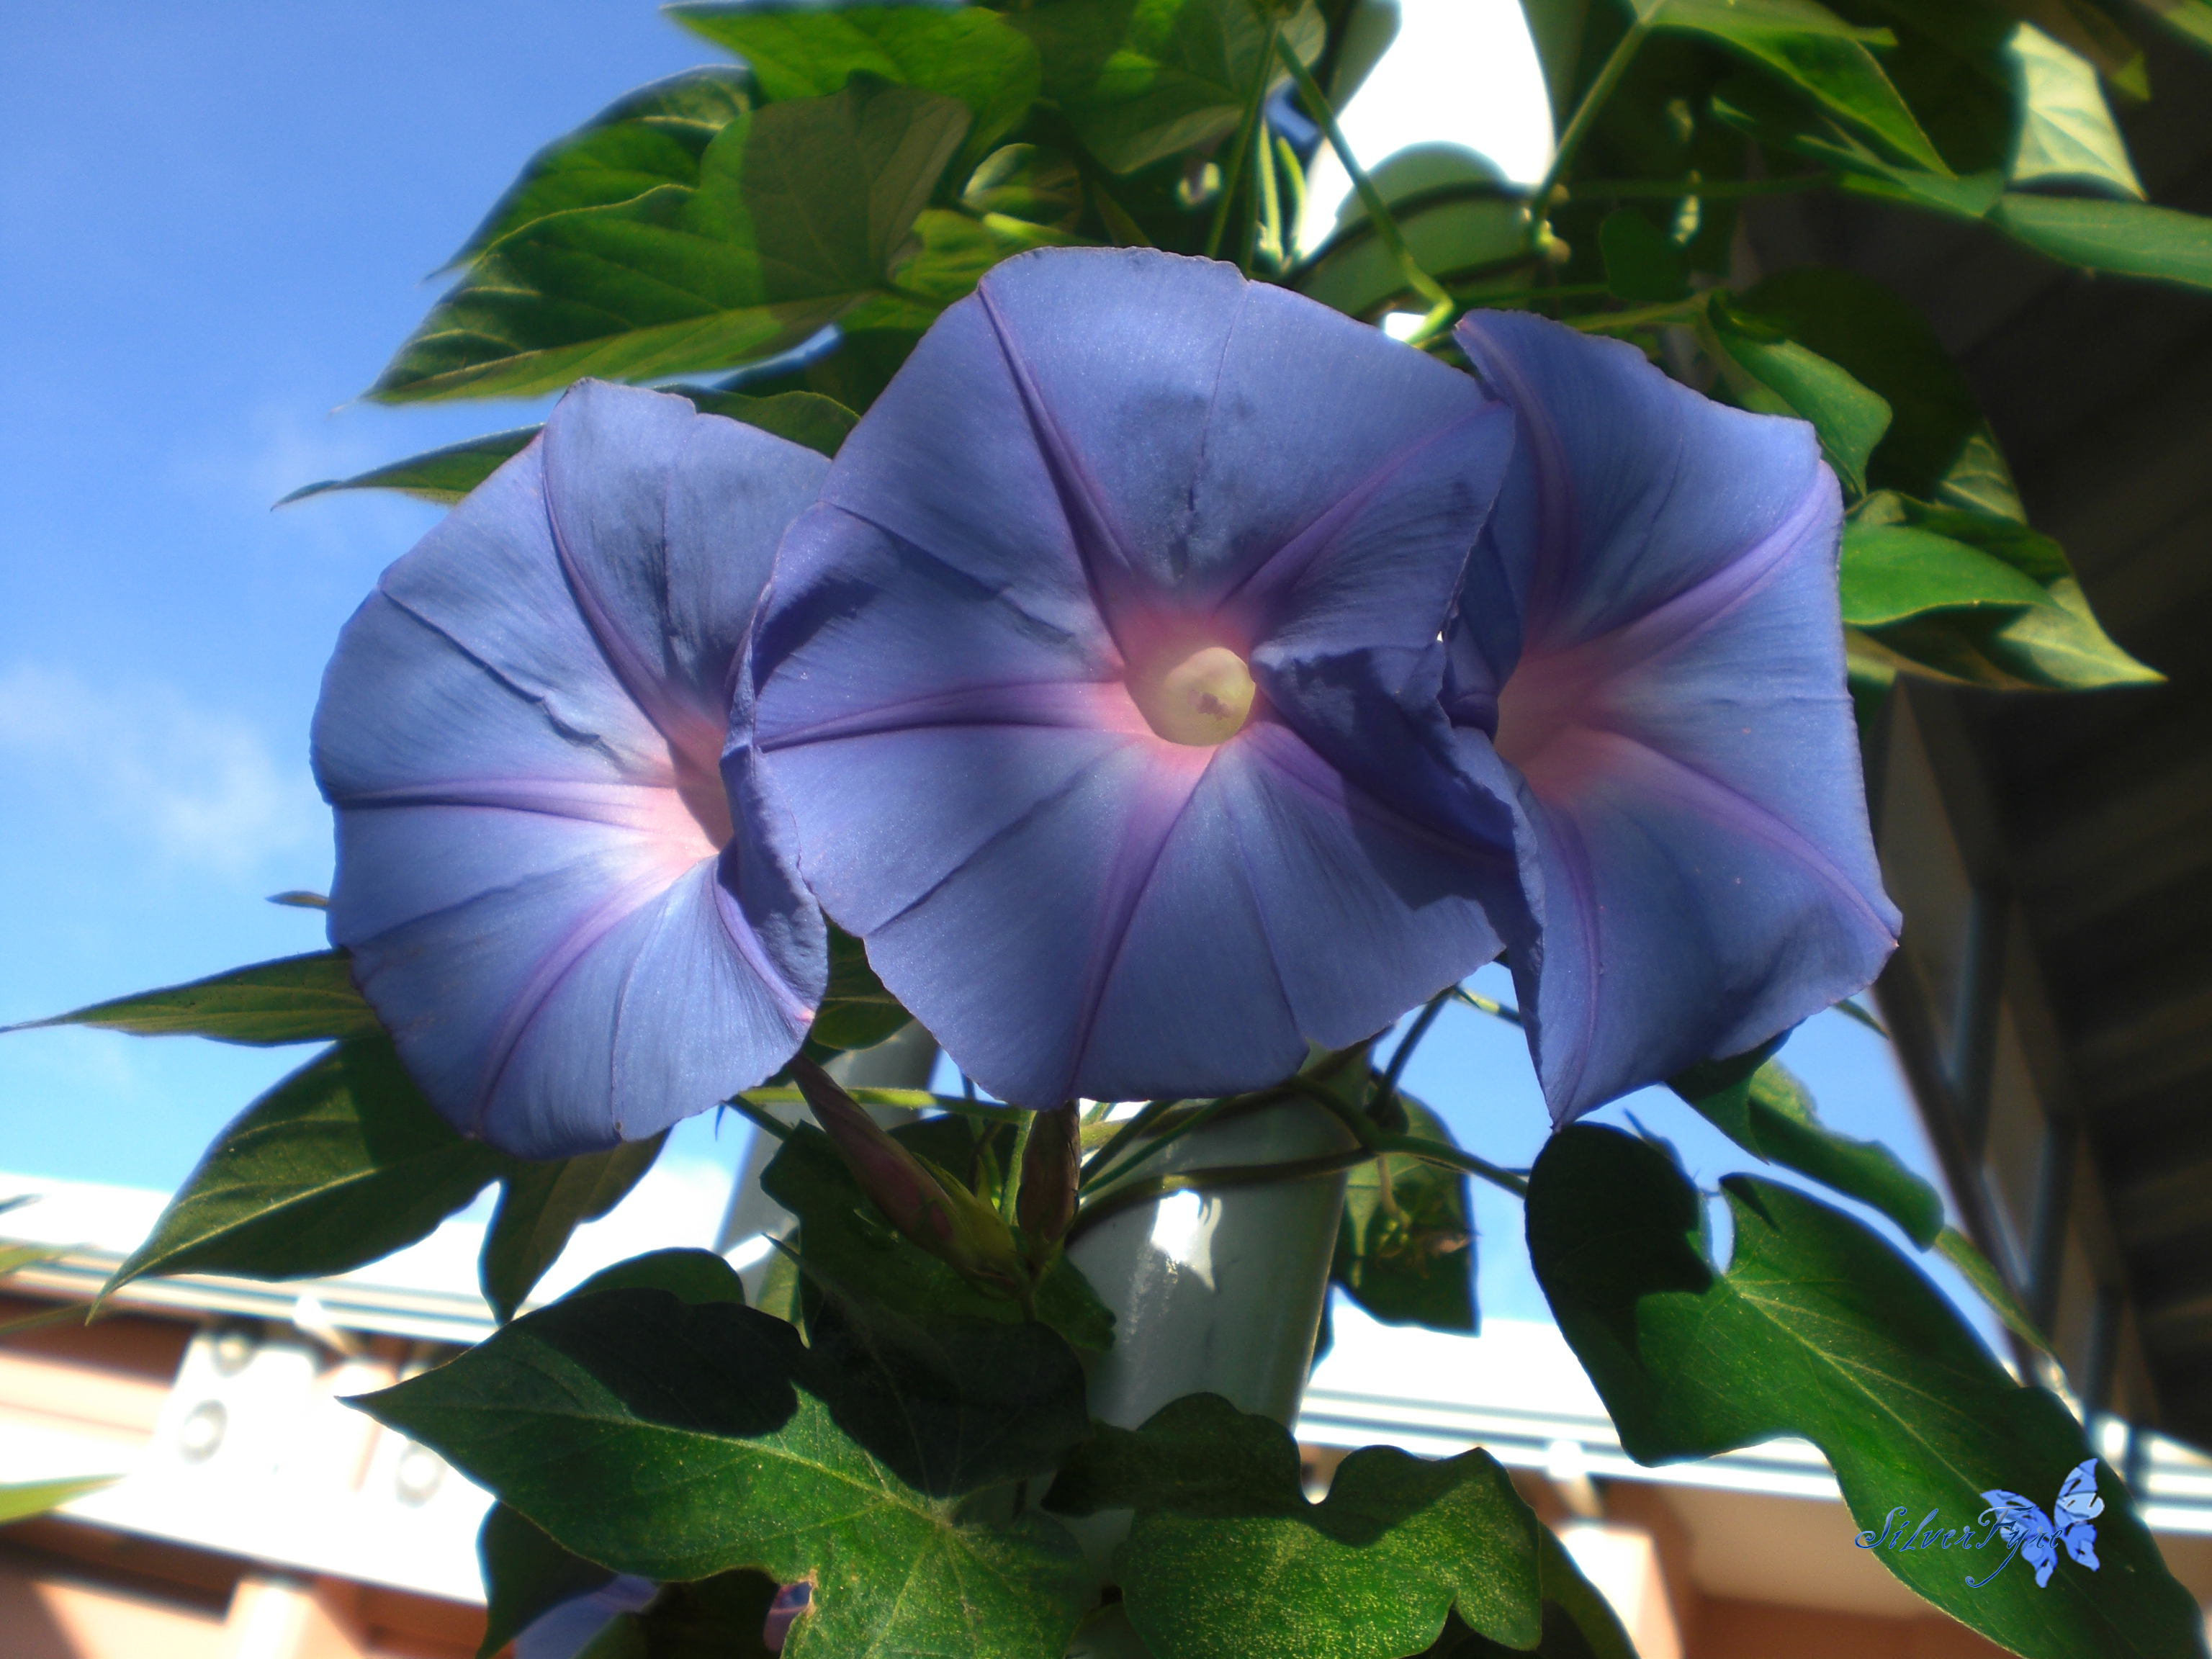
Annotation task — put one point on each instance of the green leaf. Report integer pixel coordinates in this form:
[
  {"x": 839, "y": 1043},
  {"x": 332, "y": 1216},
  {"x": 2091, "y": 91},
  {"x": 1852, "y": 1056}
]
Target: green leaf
[
  {"x": 1578, "y": 1623},
  {"x": 955, "y": 1405},
  {"x": 1893, "y": 571},
  {"x": 341, "y": 1162},
  {"x": 1770, "y": 115},
  {"x": 2189, "y": 19},
  {"x": 2066, "y": 129},
  {"x": 1226, "y": 1556},
  {"x": 847, "y": 1246},
  {"x": 444, "y": 475},
  {"x": 1026, "y": 181},
  {"x": 678, "y": 1442},
  {"x": 971, "y": 54},
  {"x": 308, "y": 999},
  {"x": 1776, "y": 375},
  {"x": 1820, "y": 1329},
  {"x": 27, "y": 1498},
  {"x": 1958, "y": 1250},
  {"x": 1139, "y": 81},
  {"x": 2129, "y": 239},
  {"x": 951, "y": 254},
  {"x": 649, "y": 137},
  {"x": 2056, "y": 645},
  {"x": 542, "y": 1204},
  {"x": 717, "y": 1618},
  {"x": 1821, "y": 56},
  {"x": 798, "y": 214},
  {"x": 690, "y": 1275},
  {"x": 1409, "y": 1261},
  {"x": 856, "y": 1010},
  {"x": 1769, "y": 1114},
  {"x": 14, "y": 1258},
  {"x": 1640, "y": 263},
  {"x": 525, "y": 1575},
  {"x": 1938, "y": 445}
]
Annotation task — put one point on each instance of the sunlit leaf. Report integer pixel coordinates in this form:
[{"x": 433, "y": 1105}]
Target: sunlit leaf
[
  {"x": 308, "y": 999},
  {"x": 798, "y": 211},
  {"x": 2066, "y": 129},
  {"x": 678, "y": 1442},
  {"x": 1226, "y": 1556},
  {"x": 1820, "y": 1330},
  {"x": 340, "y": 1164},
  {"x": 1891, "y": 572},
  {"x": 27, "y": 1498},
  {"x": 650, "y": 137}
]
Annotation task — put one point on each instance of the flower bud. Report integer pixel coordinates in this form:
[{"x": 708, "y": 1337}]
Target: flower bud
[
  {"x": 924, "y": 1202},
  {"x": 1050, "y": 1169}
]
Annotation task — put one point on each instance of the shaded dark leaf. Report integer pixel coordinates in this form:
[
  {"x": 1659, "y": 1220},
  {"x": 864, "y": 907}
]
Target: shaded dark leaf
[
  {"x": 541, "y": 1205},
  {"x": 525, "y": 1575},
  {"x": 1409, "y": 1258}
]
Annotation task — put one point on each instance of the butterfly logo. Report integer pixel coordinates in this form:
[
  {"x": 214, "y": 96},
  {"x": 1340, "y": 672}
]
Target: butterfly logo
[{"x": 2036, "y": 1536}]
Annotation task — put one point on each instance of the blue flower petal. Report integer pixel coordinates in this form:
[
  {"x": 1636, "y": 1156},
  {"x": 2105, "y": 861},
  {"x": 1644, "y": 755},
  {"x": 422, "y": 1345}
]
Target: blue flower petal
[
  {"x": 1671, "y": 693},
  {"x": 1099, "y": 456},
  {"x": 537, "y": 874}
]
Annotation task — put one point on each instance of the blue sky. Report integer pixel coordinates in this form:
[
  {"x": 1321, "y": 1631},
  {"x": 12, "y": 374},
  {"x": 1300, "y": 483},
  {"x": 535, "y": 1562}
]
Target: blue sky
[{"x": 212, "y": 235}]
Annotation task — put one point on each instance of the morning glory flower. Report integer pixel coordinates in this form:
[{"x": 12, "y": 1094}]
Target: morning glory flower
[
  {"x": 1103, "y": 683},
  {"x": 1649, "y": 633},
  {"x": 548, "y": 897}
]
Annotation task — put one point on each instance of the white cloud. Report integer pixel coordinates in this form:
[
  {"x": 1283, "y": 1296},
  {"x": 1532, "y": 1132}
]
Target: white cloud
[{"x": 187, "y": 784}]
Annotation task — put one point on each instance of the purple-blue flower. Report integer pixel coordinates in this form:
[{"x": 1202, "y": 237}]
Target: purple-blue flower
[
  {"x": 547, "y": 899},
  {"x": 1102, "y": 685},
  {"x": 1650, "y": 631}
]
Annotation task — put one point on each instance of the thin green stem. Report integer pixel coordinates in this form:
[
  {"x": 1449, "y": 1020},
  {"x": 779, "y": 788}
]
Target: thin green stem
[
  {"x": 907, "y": 1100},
  {"x": 1271, "y": 200},
  {"x": 1223, "y": 1175},
  {"x": 1009, "y": 1191},
  {"x": 1441, "y": 304},
  {"x": 1240, "y": 147},
  {"x": 1607, "y": 322},
  {"x": 1451, "y": 1158},
  {"x": 1411, "y": 1041},
  {"x": 1586, "y": 112},
  {"x": 1484, "y": 1006},
  {"x": 1160, "y": 1142},
  {"x": 1287, "y": 159},
  {"x": 1146, "y": 1115},
  {"x": 1668, "y": 190},
  {"x": 766, "y": 1122}
]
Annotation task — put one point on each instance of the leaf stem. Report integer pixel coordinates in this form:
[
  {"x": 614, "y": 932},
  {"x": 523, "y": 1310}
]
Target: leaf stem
[
  {"x": 1441, "y": 304},
  {"x": 1586, "y": 112},
  {"x": 1148, "y": 1114},
  {"x": 1239, "y": 148},
  {"x": 1010, "y": 1190},
  {"x": 1410, "y": 1042},
  {"x": 1630, "y": 190},
  {"x": 1223, "y": 1175},
  {"x": 1484, "y": 1006}
]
